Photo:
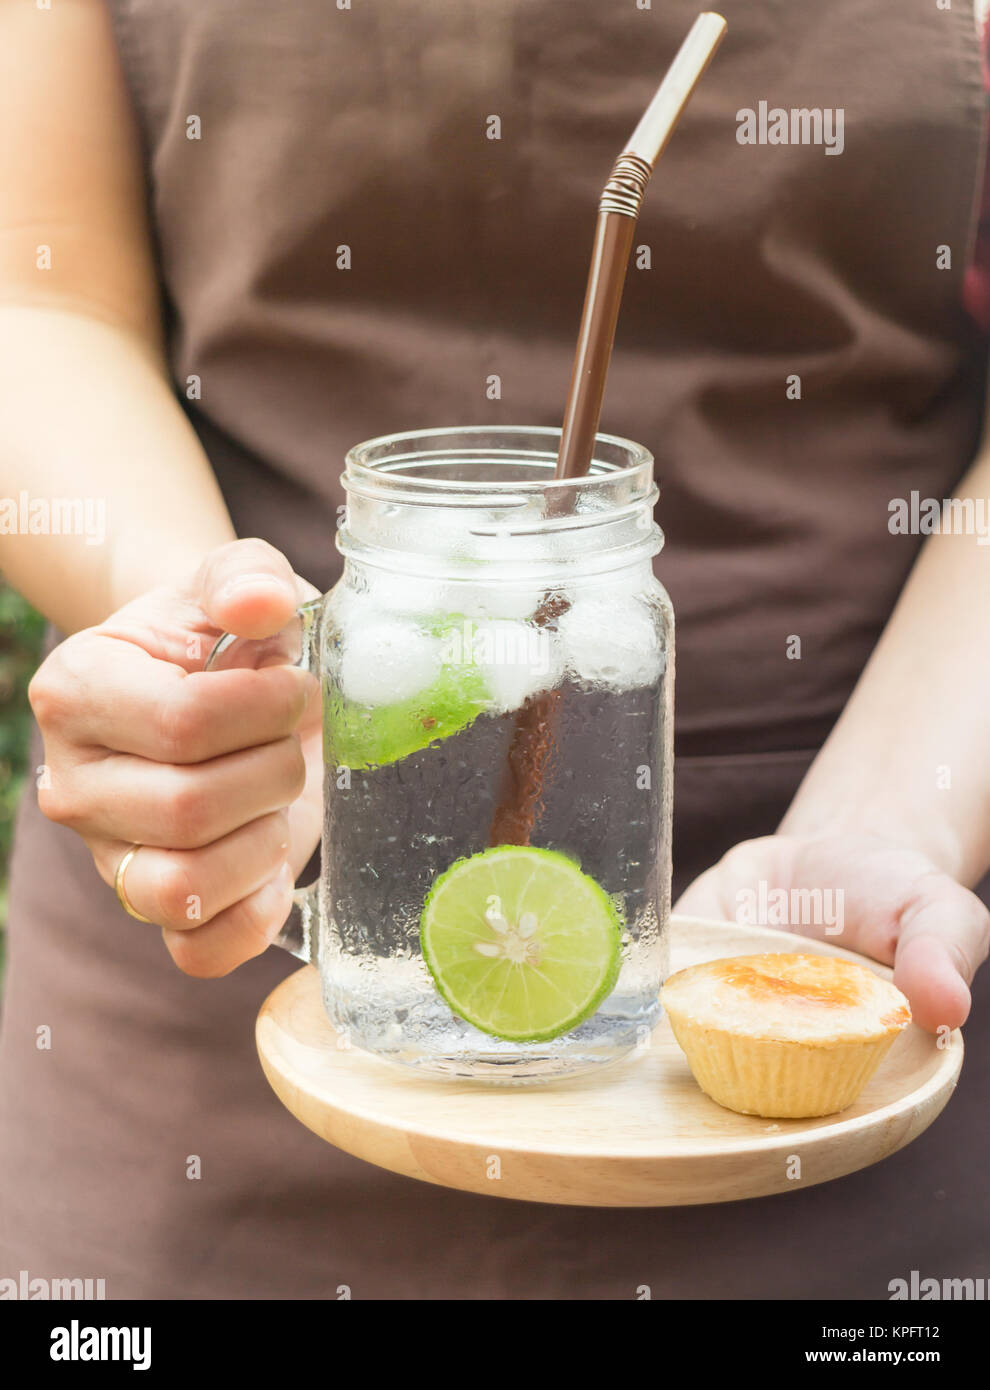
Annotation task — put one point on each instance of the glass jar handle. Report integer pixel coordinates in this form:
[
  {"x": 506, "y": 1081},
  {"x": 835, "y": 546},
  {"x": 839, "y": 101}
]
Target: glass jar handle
[{"x": 296, "y": 645}]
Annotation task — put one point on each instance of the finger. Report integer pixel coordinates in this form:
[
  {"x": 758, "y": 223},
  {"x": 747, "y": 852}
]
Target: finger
[
  {"x": 715, "y": 894},
  {"x": 247, "y": 587},
  {"x": 183, "y": 889},
  {"x": 235, "y": 935},
  {"x": 901, "y": 910},
  {"x": 175, "y": 807},
  {"x": 110, "y": 694},
  {"x": 703, "y": 898},
  {"x": 944, "y": 932}
]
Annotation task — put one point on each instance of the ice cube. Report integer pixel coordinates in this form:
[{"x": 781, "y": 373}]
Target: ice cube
[
  {"x": 495, "y": 600},
  {"x": 378, "y": 595},
  {"x": 609, "y": 641},
  {"x": 517, "y": 660},
  {"x": 385, "y": 662},
  {"x": 405, "y": 593}
]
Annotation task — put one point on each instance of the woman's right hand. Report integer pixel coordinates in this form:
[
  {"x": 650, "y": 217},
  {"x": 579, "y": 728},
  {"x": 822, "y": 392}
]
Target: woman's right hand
[{"x": 217, "y": 776}]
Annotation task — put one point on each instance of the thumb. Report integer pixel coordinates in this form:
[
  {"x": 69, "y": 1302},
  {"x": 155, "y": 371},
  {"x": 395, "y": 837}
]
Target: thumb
[
  {"x": 942, "y": 941},
  {"x": 247, "y": 587}
]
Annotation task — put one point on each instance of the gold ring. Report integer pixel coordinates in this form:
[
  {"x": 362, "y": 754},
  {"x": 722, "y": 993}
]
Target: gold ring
[{"x": 118, "y": 884}]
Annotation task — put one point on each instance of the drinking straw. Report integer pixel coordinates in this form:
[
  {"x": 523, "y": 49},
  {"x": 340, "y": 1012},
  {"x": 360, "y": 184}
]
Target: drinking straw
[{"x": 618, "y": 209}]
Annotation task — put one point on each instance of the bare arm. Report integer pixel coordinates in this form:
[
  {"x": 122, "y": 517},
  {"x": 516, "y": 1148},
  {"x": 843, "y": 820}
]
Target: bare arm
[
  {"x": 139, "y": 742},
  {"x": 86, "y": 406},
  {"x": 911, "y": 753},
  {"x": 895, "y": 809}
]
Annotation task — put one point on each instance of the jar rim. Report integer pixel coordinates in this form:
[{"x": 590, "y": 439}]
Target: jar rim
[
  {"x": 518, "y": 521},
  {"x": 399, "y": 453}
]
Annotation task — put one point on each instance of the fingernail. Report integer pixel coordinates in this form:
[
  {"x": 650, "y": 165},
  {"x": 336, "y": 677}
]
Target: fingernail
[
  {"x": 250, "y": 581},
  {"x": 270, "y": 899}
]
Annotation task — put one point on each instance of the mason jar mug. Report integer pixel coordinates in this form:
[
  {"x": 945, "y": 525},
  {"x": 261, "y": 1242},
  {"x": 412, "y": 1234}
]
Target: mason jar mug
[{"x": 496, "y": 664}]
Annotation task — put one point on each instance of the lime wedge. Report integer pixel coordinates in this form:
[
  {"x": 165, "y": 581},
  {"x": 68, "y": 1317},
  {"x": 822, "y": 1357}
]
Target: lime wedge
[
  {"x": 360, "y": 736},
  {"x": 520, "y": 943},
  {"x": 363, "y": 736}
]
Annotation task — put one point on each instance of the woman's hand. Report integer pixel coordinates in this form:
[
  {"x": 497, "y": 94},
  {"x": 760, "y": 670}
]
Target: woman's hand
[
  {"x": 891, "y": 903},
  {"x": 216, "y": 775}
]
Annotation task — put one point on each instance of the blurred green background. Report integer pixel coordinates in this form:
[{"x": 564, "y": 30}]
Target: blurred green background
[{"x": 21, "y": 630}]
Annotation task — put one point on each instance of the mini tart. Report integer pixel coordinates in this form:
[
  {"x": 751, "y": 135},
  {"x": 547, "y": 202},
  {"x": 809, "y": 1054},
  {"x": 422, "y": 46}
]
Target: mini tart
[{"x": 785, "y": 1036}]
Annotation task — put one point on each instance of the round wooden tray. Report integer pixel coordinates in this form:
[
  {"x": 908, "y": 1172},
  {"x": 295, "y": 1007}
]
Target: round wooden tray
[{"x": 637, "y": 1133}]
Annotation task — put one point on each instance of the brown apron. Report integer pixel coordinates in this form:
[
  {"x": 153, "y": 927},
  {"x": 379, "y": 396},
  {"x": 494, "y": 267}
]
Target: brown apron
[{"x": 321, "y": 128}]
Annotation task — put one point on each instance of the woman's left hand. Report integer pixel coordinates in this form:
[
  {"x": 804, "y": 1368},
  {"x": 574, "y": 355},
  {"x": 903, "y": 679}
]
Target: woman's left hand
[{"x": 887, "y": 901}]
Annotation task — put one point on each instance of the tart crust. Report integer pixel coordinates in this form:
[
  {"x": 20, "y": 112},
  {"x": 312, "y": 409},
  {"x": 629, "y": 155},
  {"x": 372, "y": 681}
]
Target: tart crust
[{"x": 784, "y": 1036}]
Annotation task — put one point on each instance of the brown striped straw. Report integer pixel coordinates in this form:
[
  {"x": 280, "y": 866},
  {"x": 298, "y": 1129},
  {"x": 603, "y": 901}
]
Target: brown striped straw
[{"x": 618, "y": 209}]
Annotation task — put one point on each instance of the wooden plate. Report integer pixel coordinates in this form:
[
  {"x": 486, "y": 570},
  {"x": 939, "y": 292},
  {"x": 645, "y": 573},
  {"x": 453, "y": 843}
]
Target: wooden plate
[{"x": 637, "y": 1133}]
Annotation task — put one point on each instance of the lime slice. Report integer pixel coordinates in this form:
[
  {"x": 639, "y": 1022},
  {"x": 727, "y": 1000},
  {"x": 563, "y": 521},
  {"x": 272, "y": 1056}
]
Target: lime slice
[
  {"x": 360, "y": 736},
  {"x": 363, "y": 736},
  {"x": 520, "y": 942}
]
